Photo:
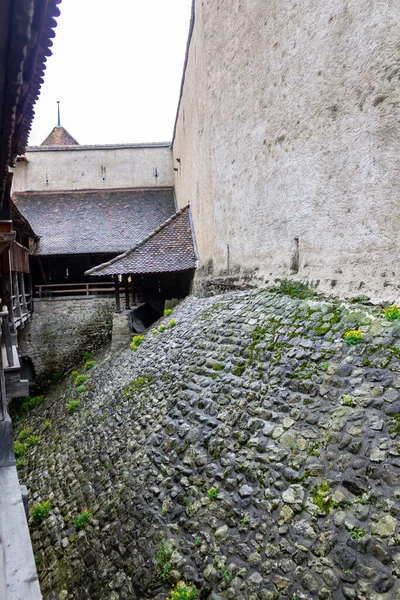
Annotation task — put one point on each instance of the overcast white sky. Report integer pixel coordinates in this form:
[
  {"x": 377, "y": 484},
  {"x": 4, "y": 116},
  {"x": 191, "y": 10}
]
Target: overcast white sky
[{"x": 116, "y": 68}]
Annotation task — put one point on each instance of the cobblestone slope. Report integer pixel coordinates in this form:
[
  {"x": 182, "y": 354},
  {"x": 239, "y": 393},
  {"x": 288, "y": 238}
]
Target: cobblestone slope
[{"x": 247, "y": 450}]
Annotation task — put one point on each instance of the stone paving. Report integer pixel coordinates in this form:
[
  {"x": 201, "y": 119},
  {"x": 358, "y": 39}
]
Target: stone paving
[{"x": 248, "y": 450}]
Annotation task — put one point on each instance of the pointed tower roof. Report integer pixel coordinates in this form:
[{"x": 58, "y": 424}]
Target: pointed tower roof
[{"x": 59, "y": 136}]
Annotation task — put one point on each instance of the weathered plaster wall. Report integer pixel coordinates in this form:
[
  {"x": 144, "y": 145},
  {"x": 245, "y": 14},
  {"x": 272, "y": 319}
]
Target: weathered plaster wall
[
  {"x": 294, "y": 136},
  {"x": 61, "y": 330},
  {"x": 94, "y": 168}
]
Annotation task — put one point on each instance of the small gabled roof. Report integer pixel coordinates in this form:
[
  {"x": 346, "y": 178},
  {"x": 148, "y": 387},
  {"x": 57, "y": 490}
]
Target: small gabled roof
[
  {"x": 59, "y": 136},
  {"x": 169, "y": 248}
]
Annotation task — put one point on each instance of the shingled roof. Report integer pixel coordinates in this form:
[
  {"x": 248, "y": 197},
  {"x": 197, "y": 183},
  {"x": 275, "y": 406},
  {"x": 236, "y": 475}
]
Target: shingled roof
[
  {"x": 90, "y": 222},
  {"x": 169, "y": 248},
  {"x": 59, "y": 136}
]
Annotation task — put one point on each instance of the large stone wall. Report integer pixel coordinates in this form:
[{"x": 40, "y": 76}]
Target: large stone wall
[
  {"x": 94, "y": 167},
  {"x": 61, "y": 330},
  {"x": 288, "y": 140},
  {"x": 250, "y": 437}
]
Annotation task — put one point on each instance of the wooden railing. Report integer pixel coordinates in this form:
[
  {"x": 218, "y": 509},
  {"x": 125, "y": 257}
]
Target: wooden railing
[{"x": 79, "y": 289}]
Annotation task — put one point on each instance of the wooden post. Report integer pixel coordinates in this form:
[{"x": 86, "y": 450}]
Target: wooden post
[
  {"x": 126, "y": 291},
  {"x": 22, "y": 288},
  {"x": 17, "y": 310},
  {"x": 117, "y": 298},
  {"x": 9, "y": 324}
]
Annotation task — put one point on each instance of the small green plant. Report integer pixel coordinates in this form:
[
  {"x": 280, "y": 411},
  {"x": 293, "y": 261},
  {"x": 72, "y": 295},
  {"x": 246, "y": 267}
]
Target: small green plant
[
  {"x": 244, "y": 521},
  {"x": 197, "y": 541},
  {"x": 365, "y": 498},
  {"x": 325, "y": 366},
  {"x": 164, "y": 511},
  {"x": 183, "y": 591},
  {"x": 347, "y": 572},
  {"x": 226, "y": 575},
  {"x": 136, "y": 341},
  {"x": 163, "y": 559},
  {"x": 32, "y": 440},
  {"x": 73, "y": 406},
  {"x": 87, "y": 356},
  {"x": 19, "y": 463},
  {"x": 212, "y": 493},
  {"x": 167, "y": 312},
  {"x": 20, "y": 449},
  {"x": 171, "y": 323},
  {"x": 82, "y": 520},
  {"x": 89, "y": 364},
  {"x": 46, "y": 425},
  {"x": 80, "y": 380},
  {"x": 218, "y": 367},
  {"x": 24, "y": 434},
  {"x": 353, "y": 337},
  {"x": 321, "y": 497},
  {"x": 74, "y": 374},
  {"x": 40, "y": 511},
  {"x": 347, "y": 400},
  {"x": 394, "y": 425},
  {"x": 161, "y": 329},
  {"x": 314, "y": 449},
  {"x": 357, "y": 533},
  {"x": 295, "y": 289},
  {"x": 30, "y": 403},
  {"x": 238, "y": 370},
  {"x": 392, "y": 313},
  {"x": 56, "y": 377},
  {"x": 81, "y": 389}
]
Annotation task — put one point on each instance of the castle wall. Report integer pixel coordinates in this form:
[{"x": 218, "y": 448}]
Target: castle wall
[
  {"x": 62, "y": 330},
  {"x": 288, "y": 136},
  {"x": 94, "y": 167}
]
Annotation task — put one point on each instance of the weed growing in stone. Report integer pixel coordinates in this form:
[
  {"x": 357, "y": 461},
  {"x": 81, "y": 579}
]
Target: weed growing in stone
[
  {"x": 218, "y": 367},
  {"x": 161, "y": 329},
  {"x": 212, "y": 493},
  {"x": 80, "y": 380},
  {"x": 394, "y": 425},
  {"x": 81, "y": 389},
  {"x": 19, "y": 463},
  {"x": 320, "y": 496},
  {"x": 238, "y": 370},
  {"x": 32, "y": 440},
  {"x": 24, "y": 434},
  {"x": 40, "y": 511},
  {"x": 20, "y": 449},
  {"x": 365, "y": 498},
  {"x": 87, "y": 356},
  {"x": 197, "y": 541},
  {"x": 392, "y": 313},
  {"x": 347, "y": 400},
  {"x": 46, "y": 425},
  {"x": 353, "y": 337},
  {"x": 183, "y": 591},
  {"x": 30, "y": 403},
  {"x": 82, "y": 520},
  {"x": 136, "y": 341},
  {"x": 56, "y": 377},
  {"x": 295, "y": 289},
  {"x": 74, "y": 374},
  {"x": 167, "y": 312},
  {"x": 171, "y": 323},
  {"x": 89, "y": 364},
  {"x": 163, "y": 559},
  {"x": 73, "y": 406},
  {"x": 357, "y": 533},
  {"x": 226, "y": 576}
]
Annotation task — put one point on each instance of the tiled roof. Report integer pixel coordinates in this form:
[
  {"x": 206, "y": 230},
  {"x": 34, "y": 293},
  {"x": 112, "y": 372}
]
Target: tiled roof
[
  {"x": 167, "y": 249},
  {"x": 59, "y": 136},
  {"x": 100, "y": 221}
]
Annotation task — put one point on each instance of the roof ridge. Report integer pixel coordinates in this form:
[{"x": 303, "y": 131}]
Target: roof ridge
[
  {"x": 155, "y": 231},
  {"x": 92, "y": 191}
]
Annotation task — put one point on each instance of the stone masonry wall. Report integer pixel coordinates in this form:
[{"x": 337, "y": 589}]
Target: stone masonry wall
[
  {"x": 61, "y": 330},
  {"x": 288, "y": 142},
  {"x": 249, "y": 437}
]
